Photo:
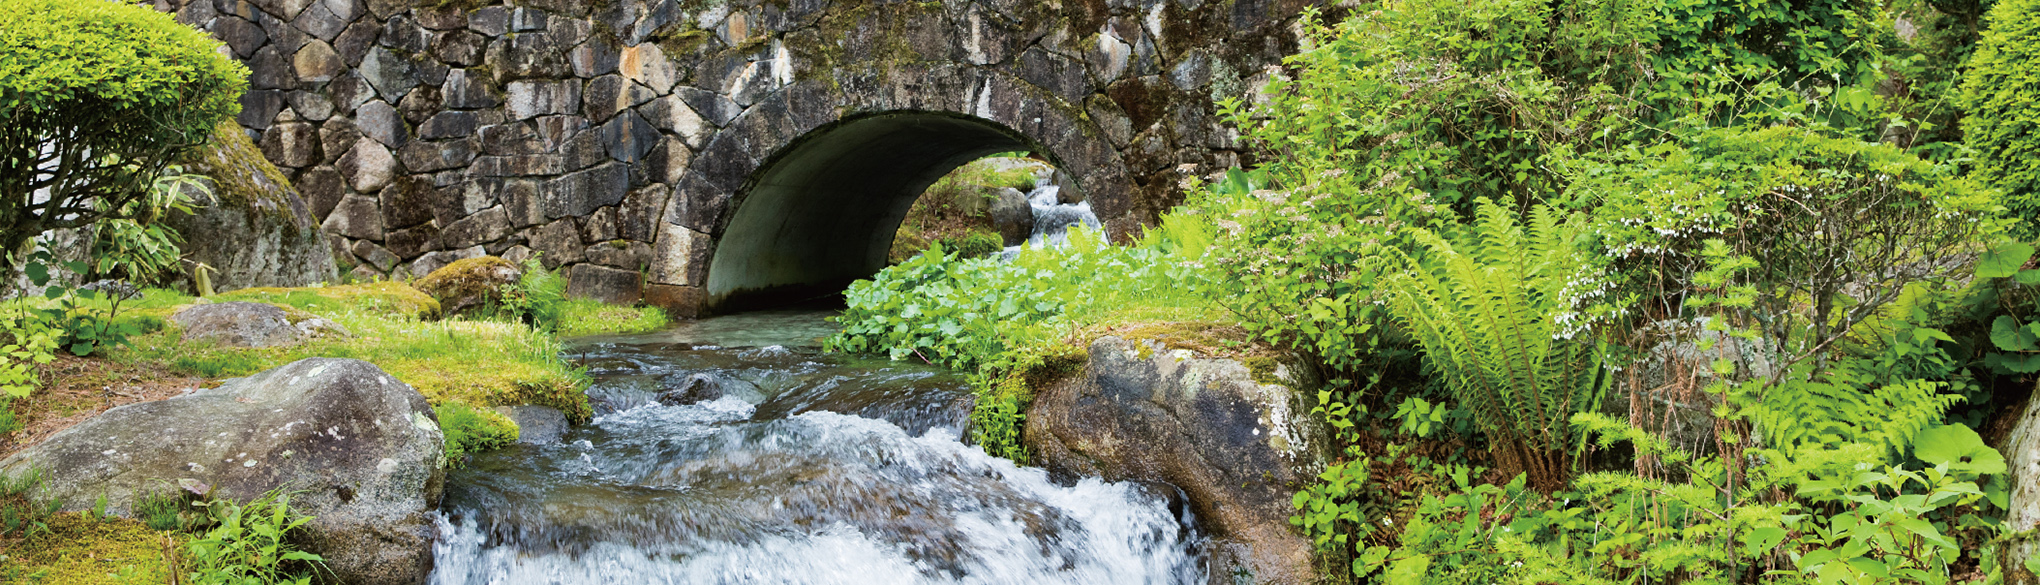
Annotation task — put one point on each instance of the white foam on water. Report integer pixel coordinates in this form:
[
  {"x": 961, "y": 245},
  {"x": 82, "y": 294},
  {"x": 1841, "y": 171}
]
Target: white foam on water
[{"x": 1090, "y": 532}]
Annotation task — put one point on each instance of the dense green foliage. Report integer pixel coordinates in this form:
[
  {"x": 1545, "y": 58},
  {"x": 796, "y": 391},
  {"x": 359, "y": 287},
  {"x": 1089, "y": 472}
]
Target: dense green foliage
[
  {"x": 1494, "y": 314},
  {"x": 249, "y": 544},
  {"x": 1754, "y": 215},
  {"x": 2002, "y": 96},
  {"x": 96, "y": 99}
]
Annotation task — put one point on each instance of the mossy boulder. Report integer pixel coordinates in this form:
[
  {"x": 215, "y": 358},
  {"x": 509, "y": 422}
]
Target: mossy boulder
[
  {"x": 252, "y": 229},
  {"x": 471, "y": 284}
]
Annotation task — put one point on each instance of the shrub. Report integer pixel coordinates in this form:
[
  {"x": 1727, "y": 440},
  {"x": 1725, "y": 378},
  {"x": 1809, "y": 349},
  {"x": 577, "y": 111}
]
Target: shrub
[
  {"x": 96, "y": 98},
  {"x": 2002, "y": 94},
  {"x": 470, "y": 430},
  {"x": 976, "y": 244}
]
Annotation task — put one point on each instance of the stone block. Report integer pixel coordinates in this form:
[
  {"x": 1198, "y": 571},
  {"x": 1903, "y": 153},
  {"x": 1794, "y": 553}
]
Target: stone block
[
  {"x": 413, "y": 242},
  {"x": 259, "y": 108},
  {"x": 680, "y": 302},
  {"x": 532, "y": 55},
  {"x": 444, "y": 17},
  {"x": 711, "y": 106},
  {"x": 529, "y": 99},
  {"x": 381, "y": 258},
  {"x": 367, "y": 165},
  {"x": 491, "y": 21},
  {"x": 240, "y": 35},
  {"x": 483, "y": 227},
  {"x": 581, "y": 193},
  {"x": 602, "y": 283},
  {"x": 354, "y": 42},
  {"x": 624, "y": 254},
  {"x": 594, "y": 59},
  {"x": 681, "y": 256},
  {"x": 439, "y": 155},
  {"x": 322, "y": 188},
  {"x": 391, "y": 75},
  {"x": 407, "y": 202},
  {"x": 599, "y": 226},
  {"x": 379, "y": 120},
  {"x": 558, "y": 243},
  {"x": 467, "y": 91},
  {"x": 609, "y": 94},
  {"x": 629, "y": 138},
  {"x": 526, "y": 165},
  {"x": 516, "y": 138},
  {"x": 459, "y": 48},
  {"x": 319, "y": 21},
  {"x": 293, "y": 144},
  {"x": 420, "y": 104},
  {"x": 449, "y": 125},
  {"x": 403, "y": 33},
  {"x": 639, "y": 216},
  {"x": 647, "y": 64},
  {"x": 672, "y": 114},
  {"x": 356, "y": 217},
  {"x": 310, "y": 105},
  {"x": 270, "y": 69}
]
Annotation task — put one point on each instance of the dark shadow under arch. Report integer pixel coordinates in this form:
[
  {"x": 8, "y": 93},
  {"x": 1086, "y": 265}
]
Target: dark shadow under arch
[{"x": 821, "y": 212}]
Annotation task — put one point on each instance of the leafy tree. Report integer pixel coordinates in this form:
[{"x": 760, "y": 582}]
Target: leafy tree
[
  {"x": 2002, "y": 93},
  {"x": 96, "y": 98}
]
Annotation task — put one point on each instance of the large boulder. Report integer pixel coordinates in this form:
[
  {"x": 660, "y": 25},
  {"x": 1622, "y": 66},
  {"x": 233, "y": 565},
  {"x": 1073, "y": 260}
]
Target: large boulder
[
  {"x": 470, "y": 284},
  {"x": 1234, "y": 445},
  {"x": 237, "y": 324},
  {"x": 362, "y": 451},
  {"x": 1011, "y": 216},
  {"x": 252, "y": 228}
]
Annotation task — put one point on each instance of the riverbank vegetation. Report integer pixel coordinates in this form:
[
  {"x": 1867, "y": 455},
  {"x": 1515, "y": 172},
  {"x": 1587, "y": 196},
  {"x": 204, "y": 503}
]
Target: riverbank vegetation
[{"x": 1606, "y": 293}]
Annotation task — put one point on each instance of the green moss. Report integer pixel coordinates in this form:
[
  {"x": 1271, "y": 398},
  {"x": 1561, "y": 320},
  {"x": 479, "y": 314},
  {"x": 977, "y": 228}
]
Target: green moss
[
  {"x": 591, "y": 317},
  {"x": 80, "y": 550},
  {"x": 391, "y": 298},
  {"x": 467, "y": 278},
  {"x": 242, "y": 177},
  {"x": 472, "y": 430},
  {"x": 1262, "y": 369}
]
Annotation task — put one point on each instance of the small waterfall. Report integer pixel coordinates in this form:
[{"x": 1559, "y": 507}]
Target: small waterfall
[
  {"x": 1053, "y": 218},
  {"x": 816, "y": 470}
]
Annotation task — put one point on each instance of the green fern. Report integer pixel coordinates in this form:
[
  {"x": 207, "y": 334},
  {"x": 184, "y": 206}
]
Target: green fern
[
  {"x": 1846, "y": 405},
  {"x": 1498, "y": 320}
]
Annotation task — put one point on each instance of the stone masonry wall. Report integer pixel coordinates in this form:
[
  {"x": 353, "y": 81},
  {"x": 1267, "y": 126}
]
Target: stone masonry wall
[{"x": 613, "y": 137}]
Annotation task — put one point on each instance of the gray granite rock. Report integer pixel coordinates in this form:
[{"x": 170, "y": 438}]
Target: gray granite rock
[{"x": 362, "y": 450}]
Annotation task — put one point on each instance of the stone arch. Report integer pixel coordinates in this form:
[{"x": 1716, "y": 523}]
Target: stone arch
[
  {"x": 773, "y": 208},
  {"x": 617, "y": 140}
]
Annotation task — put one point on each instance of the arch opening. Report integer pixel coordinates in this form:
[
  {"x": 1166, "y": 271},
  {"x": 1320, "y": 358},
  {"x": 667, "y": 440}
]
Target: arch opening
[{"x": 822, "y": 212}]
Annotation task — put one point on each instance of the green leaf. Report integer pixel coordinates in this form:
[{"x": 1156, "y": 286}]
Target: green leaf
[
  {"x": 38, "y": 273},
  {"x": 2003, "y": 259},
  {"x": 1409, "y": 571},
  {"x": 1958, "y": 447},
  {"x": 2029, "y": 277},
  {"x": 2007, "y": 334}
]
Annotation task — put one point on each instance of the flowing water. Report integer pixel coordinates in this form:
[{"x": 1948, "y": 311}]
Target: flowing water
[{"x": 730, "y": 451}]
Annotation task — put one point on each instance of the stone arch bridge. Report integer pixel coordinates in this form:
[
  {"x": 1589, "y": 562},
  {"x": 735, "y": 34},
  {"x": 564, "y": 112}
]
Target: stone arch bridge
[{"x": 701, "y": 153}]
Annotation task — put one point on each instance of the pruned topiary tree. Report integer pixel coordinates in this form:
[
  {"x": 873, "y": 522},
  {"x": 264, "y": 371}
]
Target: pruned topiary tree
[{"x": 96, "y": 99}]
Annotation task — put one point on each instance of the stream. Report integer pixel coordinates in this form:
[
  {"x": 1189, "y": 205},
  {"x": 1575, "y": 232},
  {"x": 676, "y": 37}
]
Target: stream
[{"x": 730, "y": 450}]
